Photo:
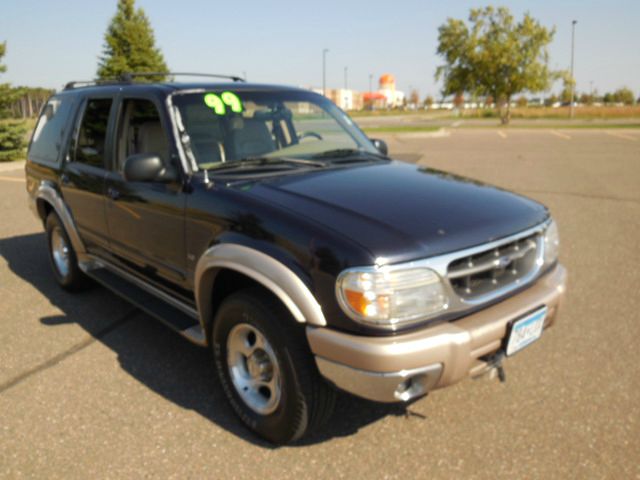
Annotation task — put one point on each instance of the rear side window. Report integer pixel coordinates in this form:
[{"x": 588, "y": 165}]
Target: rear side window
[
  {"x": 51, "y": 130},
  {"x": 92, "y": 135}
]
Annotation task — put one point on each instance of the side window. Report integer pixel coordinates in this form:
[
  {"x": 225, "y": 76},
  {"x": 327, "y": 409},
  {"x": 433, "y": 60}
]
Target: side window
[
  {"x": 92, "y": 136},
  {"x": 141, "y": 131},
  {"x": 50, "y": 130}
]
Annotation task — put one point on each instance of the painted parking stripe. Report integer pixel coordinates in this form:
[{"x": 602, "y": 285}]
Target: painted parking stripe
[
  {"x": 622, "y": 135},
  {"x": 559, "y": 134},
  {"x": 12, "y": 179},
  {"x": 502, "y": 134}
]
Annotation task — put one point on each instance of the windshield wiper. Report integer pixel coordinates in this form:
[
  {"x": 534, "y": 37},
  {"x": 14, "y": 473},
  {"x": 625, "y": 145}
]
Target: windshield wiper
[
  {"x": 344, "y": 155},
  {"x": 249, "y": 162}
]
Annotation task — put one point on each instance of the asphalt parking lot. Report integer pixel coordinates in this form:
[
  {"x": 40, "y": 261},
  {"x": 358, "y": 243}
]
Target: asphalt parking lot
[{"x": 91, "y": 388}]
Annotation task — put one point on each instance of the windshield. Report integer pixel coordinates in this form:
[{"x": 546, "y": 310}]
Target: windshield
[{"x": 227, "y": 125}]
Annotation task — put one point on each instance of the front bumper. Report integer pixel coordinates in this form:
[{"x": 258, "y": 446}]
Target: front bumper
[{"x": 399, "y": 368}]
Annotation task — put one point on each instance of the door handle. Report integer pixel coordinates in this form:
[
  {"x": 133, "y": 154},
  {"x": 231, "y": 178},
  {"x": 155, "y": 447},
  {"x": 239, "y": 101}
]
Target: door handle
[{"x": 113, "y": 193}]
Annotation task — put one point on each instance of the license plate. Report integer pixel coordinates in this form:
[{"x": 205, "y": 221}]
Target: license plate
[{"x": 526, "y": 331}]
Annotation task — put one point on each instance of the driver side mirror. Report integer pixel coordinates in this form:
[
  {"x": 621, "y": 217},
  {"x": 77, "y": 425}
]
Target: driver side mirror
[
  {"x": 381, "y": 145},
  {"x": 147, "y": 167}
]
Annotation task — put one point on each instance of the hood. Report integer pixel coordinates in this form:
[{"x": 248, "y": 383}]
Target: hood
[{"x": 401, "y": 211}]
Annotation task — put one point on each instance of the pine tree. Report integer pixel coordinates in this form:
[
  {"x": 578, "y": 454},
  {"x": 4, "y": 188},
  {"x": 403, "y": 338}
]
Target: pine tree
[
  {"x": 130, "y": 44},
  {"x": 11, "y": 133}
]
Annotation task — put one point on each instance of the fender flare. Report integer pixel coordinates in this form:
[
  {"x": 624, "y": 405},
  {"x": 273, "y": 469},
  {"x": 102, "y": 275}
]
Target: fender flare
[
  {"x": 262, "y": 268},
  {"x": 47, "y": 191}
]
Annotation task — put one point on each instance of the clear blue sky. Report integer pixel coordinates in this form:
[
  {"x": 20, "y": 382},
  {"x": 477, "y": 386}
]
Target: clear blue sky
[{"x": 280, "y": 41}]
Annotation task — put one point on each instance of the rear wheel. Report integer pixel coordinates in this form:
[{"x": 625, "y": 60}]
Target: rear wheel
[
  {"x": 62, "y": 256},
  {"x": 267, "y": 370}
]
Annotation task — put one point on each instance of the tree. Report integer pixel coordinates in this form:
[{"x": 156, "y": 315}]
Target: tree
[
  {"x": 414, "y": 97},
  {"x": 11, "y": 133},
  {"x": 567, "y": 84},
  {"x": 551, "y": 100},
  {"x": 522, "y": 101},
  {"x": 494, "y": 55},
  {"x": 587, "y": 98},
  {"x": 428, "y": 102},
  {"x": 458, "y": 100},
  {"x": 623, "y": 95},
  {"x": 130, "y": 44}
]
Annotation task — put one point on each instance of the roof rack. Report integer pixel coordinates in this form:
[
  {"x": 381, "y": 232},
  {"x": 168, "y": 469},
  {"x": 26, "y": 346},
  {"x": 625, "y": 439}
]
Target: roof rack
[
  {"x": 129, "y": 76},
  {"x": 86, "y": 83}
]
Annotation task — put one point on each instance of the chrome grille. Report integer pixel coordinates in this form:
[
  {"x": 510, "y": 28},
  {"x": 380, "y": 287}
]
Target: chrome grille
[{"x": 488, "y": 271}]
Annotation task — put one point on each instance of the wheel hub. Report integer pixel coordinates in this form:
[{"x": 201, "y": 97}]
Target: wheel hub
[
  {"x": 259, "y": 366},
  {"x": 253, "y": 368}
]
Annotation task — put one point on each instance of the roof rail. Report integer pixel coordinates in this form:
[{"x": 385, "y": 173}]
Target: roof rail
[
  {"x": 86, "y": 83},
  {"x": 129, "y": 76}
]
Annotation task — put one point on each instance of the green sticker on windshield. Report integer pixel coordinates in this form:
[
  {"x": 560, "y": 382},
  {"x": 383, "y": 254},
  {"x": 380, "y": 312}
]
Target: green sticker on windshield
[
  {"x": 233, "y": 101},
  {"x": 213, "y": 101},
  {"x": 219, "y": 103}
]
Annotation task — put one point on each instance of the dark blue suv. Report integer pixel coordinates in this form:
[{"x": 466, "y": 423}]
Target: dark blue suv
[{"x": 260, "y": 221}]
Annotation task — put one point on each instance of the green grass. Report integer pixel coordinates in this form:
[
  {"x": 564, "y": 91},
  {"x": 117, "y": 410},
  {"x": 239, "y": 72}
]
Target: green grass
[
  {"x": 557, "y": 126},
  {"x": 402, "y": 129}
]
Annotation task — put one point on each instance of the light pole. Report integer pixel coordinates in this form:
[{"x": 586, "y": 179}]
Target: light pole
[
  {"x": 346, "y": 84},
  {"x": 324, "y": 71},
  {"x": 370, "y": 80},
  {"x": 573, "y": 81},
  {"x": 370, "y": 92}
]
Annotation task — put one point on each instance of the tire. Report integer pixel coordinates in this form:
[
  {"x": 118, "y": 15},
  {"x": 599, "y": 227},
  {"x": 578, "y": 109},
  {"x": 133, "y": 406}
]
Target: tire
[
  {"x": 62, "y": 256},
  {"x": 256, "y": 342}
]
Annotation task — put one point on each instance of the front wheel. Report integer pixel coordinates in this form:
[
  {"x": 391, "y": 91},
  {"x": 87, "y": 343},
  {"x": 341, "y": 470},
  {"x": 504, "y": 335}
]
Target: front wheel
[{"x": 267, "y": 370}]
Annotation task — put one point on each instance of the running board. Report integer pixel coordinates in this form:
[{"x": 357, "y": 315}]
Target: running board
[{"x": 170, "y": 311}]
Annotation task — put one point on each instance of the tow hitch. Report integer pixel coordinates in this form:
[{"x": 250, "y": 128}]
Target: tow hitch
[{"x": 494, "y": 366}]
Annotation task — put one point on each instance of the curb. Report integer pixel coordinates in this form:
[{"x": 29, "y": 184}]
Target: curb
[
  {"x": 443, "y": 132},
  {"x": 9, "y": 166}
]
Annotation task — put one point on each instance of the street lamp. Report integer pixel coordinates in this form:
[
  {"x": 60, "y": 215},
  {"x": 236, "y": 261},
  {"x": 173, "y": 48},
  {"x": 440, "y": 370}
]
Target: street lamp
[
  {"x": 573, "y": 39},
  {"x": 324, "y": 71},
  {"x": 370, "y": 97},
  {"x": 346, "y": 70}
]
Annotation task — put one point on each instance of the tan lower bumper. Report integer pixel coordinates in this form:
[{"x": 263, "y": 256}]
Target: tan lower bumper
[{"x": 451, "y": 351}]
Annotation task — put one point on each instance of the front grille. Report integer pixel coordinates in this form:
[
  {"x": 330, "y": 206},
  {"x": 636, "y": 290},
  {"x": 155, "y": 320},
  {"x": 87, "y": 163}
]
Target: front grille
[{"x": 486, "y": 272}]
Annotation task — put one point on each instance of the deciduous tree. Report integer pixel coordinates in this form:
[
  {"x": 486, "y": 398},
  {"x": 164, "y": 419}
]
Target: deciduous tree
[
  {"x": 623, "y": 95},
  {"x": 428, "y": 102},
  {"x": 130, "y": 44},
  {"x": 494, "y": 55}
]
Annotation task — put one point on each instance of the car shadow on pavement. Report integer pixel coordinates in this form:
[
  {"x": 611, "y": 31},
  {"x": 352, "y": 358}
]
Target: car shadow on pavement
[{"x": 159, "y": 358}]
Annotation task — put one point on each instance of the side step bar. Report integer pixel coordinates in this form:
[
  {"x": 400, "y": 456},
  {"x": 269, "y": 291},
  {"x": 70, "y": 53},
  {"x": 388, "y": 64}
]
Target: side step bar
[{"x": 175, "y": 314}]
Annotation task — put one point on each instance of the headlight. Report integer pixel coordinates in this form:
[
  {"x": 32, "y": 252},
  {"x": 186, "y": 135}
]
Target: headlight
[
  {"x": 551, "y": 243},
  {"x": 388, "y": 298}
]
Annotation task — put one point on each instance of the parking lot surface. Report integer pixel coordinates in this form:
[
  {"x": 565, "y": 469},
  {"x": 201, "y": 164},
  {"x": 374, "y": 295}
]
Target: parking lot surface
[{"x": 92, "y": 388}]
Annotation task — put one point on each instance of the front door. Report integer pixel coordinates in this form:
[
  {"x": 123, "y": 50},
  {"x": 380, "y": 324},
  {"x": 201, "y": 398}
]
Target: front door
[{"x": 145, "y": 219}]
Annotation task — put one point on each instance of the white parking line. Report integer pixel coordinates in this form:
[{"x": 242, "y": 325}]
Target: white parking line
[
  {"x": 561, "y": 135},
  {"x": 502, "y": 134},
  {"x": 622, "y": 135}
]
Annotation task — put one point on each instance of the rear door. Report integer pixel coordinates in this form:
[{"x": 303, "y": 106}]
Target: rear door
[
  {"x": 146, "y": 219},
  {"x": 82, "y": 180}
]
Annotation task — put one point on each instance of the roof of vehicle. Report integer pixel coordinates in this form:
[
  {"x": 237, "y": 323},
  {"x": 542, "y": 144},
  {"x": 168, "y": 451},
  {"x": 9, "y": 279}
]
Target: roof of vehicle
[{"x": 170, "y": 87}]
